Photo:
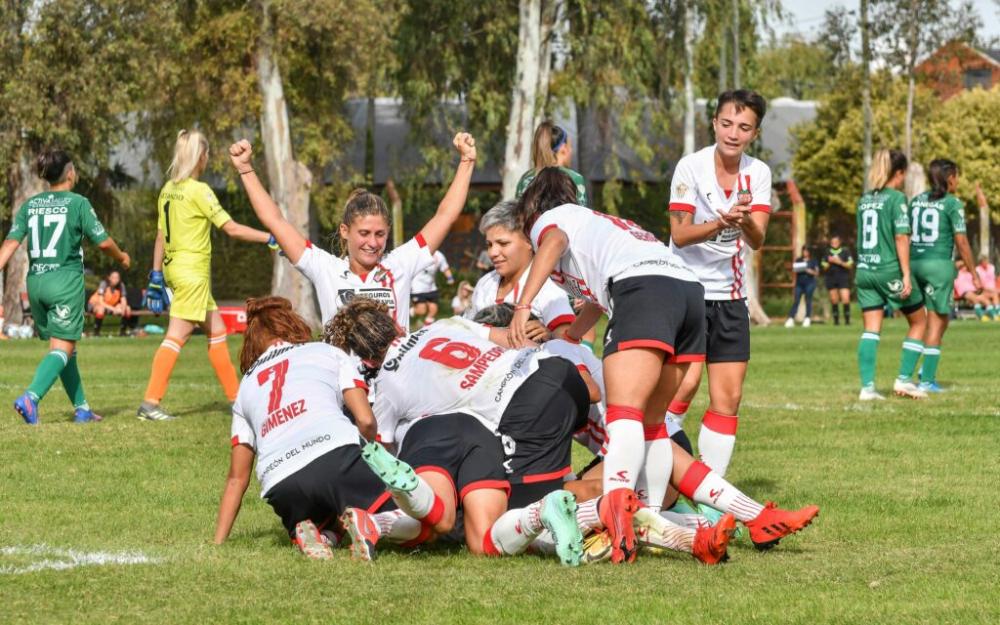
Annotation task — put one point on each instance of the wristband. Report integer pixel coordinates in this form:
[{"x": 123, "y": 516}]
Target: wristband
[
  {"x": 249, "y": 171},
  {"x": 569, "y": 339},
  {"x": 522, "y": 307}
]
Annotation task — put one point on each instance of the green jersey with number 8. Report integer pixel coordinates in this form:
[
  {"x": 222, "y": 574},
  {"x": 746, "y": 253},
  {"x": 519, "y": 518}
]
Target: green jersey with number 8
[
  {"x": 55, "y": 223},
  {"x": 935, "y": 224},
  {"x": 881, "y": 216}
]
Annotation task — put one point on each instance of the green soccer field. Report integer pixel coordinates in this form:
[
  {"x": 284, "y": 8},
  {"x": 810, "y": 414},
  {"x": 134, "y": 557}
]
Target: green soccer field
[{"x": 906, "y": 533}]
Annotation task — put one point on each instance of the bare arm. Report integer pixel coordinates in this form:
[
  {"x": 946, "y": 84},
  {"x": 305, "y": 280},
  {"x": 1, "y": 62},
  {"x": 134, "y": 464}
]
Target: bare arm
[
  {"x": 6, "y": 251},
  {"x": 435, "y": 230},
  {"x": 244, "y": 233},
  {"x": 592, "y": 388},
  {"x": 552, "y": 247},
  {"x": 292, "y": 243},
  {"x": 965, "y": 252},
  {"x": 356, "y": 400},
  {"x": 240, "y": 464},
  {"x": 684, "y": 232},
  {"x": 585, "y": 320},
  {"x": 903, "y": 252},
  {"x": 754, "y": 228},
  {"x": 110, "y": 248},
  {"x": 158, "y": 251}
]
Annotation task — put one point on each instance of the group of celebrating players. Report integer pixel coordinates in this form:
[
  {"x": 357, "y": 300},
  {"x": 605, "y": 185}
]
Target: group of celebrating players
[{"x": 465, "y": 427}]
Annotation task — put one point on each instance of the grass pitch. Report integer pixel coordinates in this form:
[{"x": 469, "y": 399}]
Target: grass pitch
[{"x": 112, "y": 523}]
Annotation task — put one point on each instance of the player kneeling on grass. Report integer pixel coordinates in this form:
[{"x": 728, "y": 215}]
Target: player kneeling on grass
[{"x": 56, "y": 221}]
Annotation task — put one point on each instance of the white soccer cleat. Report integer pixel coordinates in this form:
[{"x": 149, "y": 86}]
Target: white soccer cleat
[
  {"x": 905, "y": 388},
  {"x": 790, "y": 323},
  {"x": 869, "y": 393},
  {"x": 806, "y": 322}
]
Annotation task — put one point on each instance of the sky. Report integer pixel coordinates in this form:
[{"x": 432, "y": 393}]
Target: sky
[{"x": 807, "y": 15}]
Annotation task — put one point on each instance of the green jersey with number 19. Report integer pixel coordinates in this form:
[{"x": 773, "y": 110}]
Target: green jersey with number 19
[
  {"x": 935, "y": 224},
  {"x": 881, "y": 216},
  {"x": 55, "y": 223}
]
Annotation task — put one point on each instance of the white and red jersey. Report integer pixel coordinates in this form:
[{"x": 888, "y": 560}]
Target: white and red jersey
[
  {"x": 390, "y": 282},
  {"x": 550, "y": 305},
  {"x": 448, "y": 366},
  {"x": 592, "y": 436},
  {"x": 602, "y": 247},
  {"x": 720, "y": 263},
  {"x": 424, "y": 282},
  {"x": 289, "y": 408}
]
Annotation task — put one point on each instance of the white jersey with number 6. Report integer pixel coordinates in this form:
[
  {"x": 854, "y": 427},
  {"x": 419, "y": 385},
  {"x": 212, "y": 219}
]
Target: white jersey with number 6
[
  {"x": 289, "y": 408},
  {"x": 602, "y": 247}
]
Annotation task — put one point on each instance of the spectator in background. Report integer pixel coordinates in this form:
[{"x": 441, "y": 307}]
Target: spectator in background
[
  {"x": 987, "y": 274},
  {"x": 110, "y": 299},
  {"x": 463, "y": 299},
  {"x": 837, "y": 263},
  {"x": 986, "y": 305},
  {"x": 425, "y": 296},
  {"x": 483, "y": 262},
  {"x": 806, "y": 269}
]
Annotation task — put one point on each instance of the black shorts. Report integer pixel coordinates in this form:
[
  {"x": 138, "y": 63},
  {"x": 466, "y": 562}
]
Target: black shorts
[
  {"x": 429, "y": 296},
  {"x": 728, "y": 330},
  {"x": 538, "y": 424},
  {"x": 837, "y": 281},
  {"x": 460, "y": 447},
  {"x": 659, "y": 312},
  {"x": 321, "y": 490}
]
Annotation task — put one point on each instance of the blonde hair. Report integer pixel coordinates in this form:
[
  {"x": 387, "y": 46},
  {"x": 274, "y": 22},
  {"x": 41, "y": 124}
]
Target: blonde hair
[
  {"x": 542, "y": 154},
  {"x": 885, "y": 164},
  {"x": 188, "y": 150}
]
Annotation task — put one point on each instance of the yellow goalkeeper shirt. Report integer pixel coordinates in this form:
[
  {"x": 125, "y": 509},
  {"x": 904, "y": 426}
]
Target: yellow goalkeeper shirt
[{"x": 187, "y": 210}]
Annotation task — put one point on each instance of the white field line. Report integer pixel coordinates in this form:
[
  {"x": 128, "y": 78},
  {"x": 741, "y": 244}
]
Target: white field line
[{"x": 64, "y": 559}]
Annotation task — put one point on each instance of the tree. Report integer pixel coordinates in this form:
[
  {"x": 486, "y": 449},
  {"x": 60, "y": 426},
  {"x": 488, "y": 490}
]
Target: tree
[
  {"x": 526, "y": 93},
  {"x": 866, "y": 86},
  {"x": 689, "y": 40}
]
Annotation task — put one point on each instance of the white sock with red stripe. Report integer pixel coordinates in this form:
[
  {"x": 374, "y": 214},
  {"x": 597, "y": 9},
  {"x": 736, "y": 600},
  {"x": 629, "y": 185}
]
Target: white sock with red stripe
[
  {"x": 514, "y": 531},
  {"x": 657, "y": 467},
  {"x": 665, "y": 534},
  {"x": 703, "y": 485},
  {"x": 587, "y": 516},
  {"x": 692, "y": 521},
  {"x": 716, "y": 440},
  {"x": 676, "y": 412},
  {"x": 420, "y": 503},
  {"x": 396, "y": 526},
  {"x": 625, "y": 447}
]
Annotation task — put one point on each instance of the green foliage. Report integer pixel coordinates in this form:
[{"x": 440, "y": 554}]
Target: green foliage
[{"x": 794, "y": 68}]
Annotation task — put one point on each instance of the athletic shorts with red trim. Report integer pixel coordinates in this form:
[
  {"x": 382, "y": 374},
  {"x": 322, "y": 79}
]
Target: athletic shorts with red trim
[
  {"x": 728, "y": 331},
  {"x": 537, "y": 429},
  {"x": 460, "y": 447},
  {"x": 659, "y": 312},
  {"x": 321, "y": 490}
]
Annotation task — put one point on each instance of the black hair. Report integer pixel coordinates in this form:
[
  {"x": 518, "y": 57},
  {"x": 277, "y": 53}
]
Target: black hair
[
  {"x": 552, "y": 187},
  {"x": 741, "y": 99},
  {"x": 498, "y": 315},
  {"x": 52, "y": 165},
  {"x": 939, "y": 171}
]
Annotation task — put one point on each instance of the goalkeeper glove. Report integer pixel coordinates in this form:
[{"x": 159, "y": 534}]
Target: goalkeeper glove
[{"x": 157, "y": 300}]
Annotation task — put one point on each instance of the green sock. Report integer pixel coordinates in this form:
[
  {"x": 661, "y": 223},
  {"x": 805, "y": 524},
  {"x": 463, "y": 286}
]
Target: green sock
[
  {"x": 912, "y": 348},
  {"x": 932, "y": 355},
  {"x": 978, "y": 309},
  {"x": 71, "y": 381},
  {"x": 867, "y": 351},
  {"x": 48, "y": 370}
]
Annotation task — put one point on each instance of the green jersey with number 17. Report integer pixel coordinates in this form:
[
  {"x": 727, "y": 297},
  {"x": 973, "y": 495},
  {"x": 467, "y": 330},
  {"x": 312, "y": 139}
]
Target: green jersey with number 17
[
  {"x": 881, "y": 216},
  {"x": 55, "y": 223},
  {"x": 935, "y": 224}
]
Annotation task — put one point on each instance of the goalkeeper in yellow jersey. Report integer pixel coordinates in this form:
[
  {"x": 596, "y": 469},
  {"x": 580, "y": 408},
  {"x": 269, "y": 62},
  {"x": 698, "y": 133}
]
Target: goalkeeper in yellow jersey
[{"x": 187, "y": 210}]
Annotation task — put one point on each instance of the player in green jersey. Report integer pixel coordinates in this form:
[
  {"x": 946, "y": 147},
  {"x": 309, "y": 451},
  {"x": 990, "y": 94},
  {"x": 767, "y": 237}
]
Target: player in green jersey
[
  {"x": 938, "y": 229},
  {"x": 883, "y": 274},
  {"x": 551, "y": 147},
  {"x": 55, "y": 222}
]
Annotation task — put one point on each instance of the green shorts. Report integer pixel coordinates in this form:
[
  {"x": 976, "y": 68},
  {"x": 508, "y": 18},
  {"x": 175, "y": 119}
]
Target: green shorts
[
  {"x": 935, "y": 279},
  {"x": 57, "y": 304},
  {"x": 877, "y": 289}
]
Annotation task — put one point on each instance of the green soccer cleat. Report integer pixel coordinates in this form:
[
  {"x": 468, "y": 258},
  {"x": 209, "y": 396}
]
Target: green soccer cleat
[
  {"x": 559, "y": 517},
  {"x": 396, "y": 474}
]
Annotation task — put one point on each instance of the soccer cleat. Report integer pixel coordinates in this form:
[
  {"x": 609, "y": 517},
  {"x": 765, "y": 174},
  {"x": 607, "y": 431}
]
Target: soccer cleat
[
  {"x": 715, "y": 516},
  {"x": 616, "y": 511},
  {"x": 906, "y": 388},
  {"x": 396, "y": 474},
  {"x": 711, "y": 542},
  {"x": 310, "y": 543},
  {"x": 868, "y": 393},
  {"x": 153, "y": 412},
  {"x": 27, "y": 407},
  {"x": 363, "y": 532},
  {"x": 790, "y": 323},
  {"x": 86, "y": 415},
  {"x": 806, "y": 322},
  {"x": 559, "y": 517},
  {"x": 683, "y": 505},
  {"x": 930, "y": 387},
  {"x": 773, "y": 524},
  {"x": 596, "y": 548}
]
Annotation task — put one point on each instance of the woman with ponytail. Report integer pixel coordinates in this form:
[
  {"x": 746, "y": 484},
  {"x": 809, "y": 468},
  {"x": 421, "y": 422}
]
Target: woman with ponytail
[
  {"x": 883, "y": 276},
  {"x": 551, "y": 147},
  {"x": 182, "y": 255},
  {"x": 56, "y": 222},
  {"x": 938, "y": 219}
]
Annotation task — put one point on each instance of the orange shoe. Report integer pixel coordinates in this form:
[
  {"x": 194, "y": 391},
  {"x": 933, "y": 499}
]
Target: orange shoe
[
  {"x": 363, "y": 531},
  {"x": 616, "y": 511},
  {"x": 773, "y": 524},
  {"x": 711, "y": 541}
]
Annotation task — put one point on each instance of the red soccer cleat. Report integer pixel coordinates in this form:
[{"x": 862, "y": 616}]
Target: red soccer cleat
[
  {"x": 711, "y": 541},
  {"x": 363, "y": 531},
  {"x": 616, "y": 511},
  {"x": 773, "y": 524}
]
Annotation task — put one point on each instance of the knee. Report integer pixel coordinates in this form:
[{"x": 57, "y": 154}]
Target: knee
[{"x": 727, "y": 402}]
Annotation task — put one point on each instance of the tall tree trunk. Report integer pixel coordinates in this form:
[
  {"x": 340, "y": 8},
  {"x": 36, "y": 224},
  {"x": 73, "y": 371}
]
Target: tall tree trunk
[
  {"x": 736, "y": 44},
  {"x": 689, "y": 38},
  {"x": 22, "y": 184},
  {"x": 517, "y": 154},
  {"x": 551, "y": 14},
  {"x": 396, "y": 205},
  {"x": 911, "y": 63},
  {"x": 723, "y": 61},
  {"x": 866, "y": 89},
  {"x": 289, "y": 179}
]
